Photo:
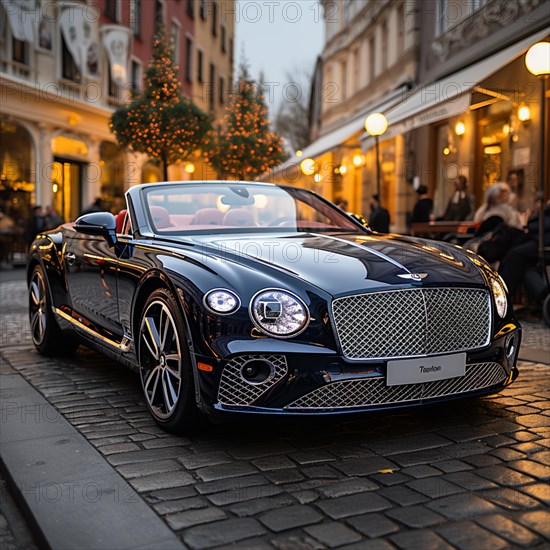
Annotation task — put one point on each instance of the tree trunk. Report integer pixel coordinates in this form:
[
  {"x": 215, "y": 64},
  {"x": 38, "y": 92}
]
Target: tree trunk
[{"x": 164, "y": 168}]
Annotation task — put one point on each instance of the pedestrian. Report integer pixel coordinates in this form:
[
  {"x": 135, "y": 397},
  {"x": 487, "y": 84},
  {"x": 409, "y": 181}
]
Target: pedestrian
[
  {"x": 51, "y": 218},
  {"x": 461, "y": 203},
  {"x": 36, "y": 224},
  {"x": 516, "y": 181},
  {"x": 96, "y": 206},
  {"x": 379, "y": 220},
  {"x": 423, "y": 208}
]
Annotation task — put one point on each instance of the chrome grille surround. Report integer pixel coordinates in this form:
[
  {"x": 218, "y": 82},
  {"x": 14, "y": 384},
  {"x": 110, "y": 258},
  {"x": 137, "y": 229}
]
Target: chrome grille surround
[
  {"x": 413, "y": 322},
  {"x": 364, "y": 392},
  {"x": 233, "y": 390}
]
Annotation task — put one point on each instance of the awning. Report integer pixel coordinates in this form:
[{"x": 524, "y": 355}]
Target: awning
[
  {"x": 450, "y": 96},
  {"x": 339, "y": 135},
  {"x": 22, "y": 16},
  {"x": 116, "y": 40}
]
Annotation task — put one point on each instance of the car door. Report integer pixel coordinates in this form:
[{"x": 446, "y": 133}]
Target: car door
[{"x": 91, "y": 268}]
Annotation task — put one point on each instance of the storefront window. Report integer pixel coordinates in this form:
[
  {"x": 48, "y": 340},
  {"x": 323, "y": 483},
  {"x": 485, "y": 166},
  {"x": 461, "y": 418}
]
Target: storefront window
[
  {"x": 16, "y": 177},
  {"x": 112, "y": 166}
]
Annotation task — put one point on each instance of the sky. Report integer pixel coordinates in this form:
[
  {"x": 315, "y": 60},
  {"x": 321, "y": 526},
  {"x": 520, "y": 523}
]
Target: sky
[{"x": 278, "y": 37}]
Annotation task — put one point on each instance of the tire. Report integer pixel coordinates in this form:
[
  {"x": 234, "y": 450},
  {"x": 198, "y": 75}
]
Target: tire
[
  {"x": 165, "y": 364},
  {"x": 46, "y": 335}
]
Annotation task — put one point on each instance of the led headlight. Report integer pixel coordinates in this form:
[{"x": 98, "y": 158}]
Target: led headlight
[
  {"x": 499, "y": 294},
  {"x": 279, "y": 313},
  {"x": 222, "y": 302}
]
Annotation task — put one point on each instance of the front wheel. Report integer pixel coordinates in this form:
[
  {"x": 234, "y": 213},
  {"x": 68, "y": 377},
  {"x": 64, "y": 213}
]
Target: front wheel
[{"x": 165, "y": 364}]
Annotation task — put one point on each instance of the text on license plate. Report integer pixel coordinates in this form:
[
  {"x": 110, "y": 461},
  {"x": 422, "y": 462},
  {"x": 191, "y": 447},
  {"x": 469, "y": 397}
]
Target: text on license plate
[{"x": 425, "y": 369}]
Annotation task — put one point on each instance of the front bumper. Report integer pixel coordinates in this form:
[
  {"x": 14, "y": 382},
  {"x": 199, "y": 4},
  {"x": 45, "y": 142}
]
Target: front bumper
[{"x": 325, "y": 383}]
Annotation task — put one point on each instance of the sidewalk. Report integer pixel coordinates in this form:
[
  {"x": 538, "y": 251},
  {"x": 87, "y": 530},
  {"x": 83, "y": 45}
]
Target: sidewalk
[{"x": 79, "y": 444}]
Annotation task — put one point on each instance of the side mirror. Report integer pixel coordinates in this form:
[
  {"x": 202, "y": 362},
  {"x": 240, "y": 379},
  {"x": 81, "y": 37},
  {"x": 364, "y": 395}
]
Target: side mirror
[{"x": 100, "y": 224}]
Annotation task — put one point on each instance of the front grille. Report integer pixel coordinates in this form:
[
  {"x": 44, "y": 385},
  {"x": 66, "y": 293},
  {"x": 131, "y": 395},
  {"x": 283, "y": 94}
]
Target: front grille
[
  {"x": 412, "y": 322},
  {"x": 234, "y": 390},
  {"x": 373, "y": 391}
]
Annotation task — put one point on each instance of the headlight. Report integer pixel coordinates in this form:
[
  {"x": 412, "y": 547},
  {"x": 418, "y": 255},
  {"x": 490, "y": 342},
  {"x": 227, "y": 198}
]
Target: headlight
[
  {"x": 222, "y": 302},
  {"x": 279, "y": 313},
  {"x": 499, "y": 294}
]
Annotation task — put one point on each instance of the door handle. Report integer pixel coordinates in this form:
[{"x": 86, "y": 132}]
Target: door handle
[{"x": 70, "y": 257}]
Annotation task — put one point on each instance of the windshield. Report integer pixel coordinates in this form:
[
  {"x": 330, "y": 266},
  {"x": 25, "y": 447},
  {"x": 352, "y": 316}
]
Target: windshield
[{"x": 236, "y": 207}]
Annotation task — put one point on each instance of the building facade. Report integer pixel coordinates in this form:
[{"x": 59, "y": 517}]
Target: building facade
[
  {"x": 368, "y": 64},
  {"x": 65, "y": 66},
  {"x": 449, "y": 76}
]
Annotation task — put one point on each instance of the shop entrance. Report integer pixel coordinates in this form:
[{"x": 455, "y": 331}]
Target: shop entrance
[{"x": 67, "y": 187}]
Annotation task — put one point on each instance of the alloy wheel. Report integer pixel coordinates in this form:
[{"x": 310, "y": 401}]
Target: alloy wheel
[
  {"x": 160, "y": 359},
  {"x": 38, "y": 305}
]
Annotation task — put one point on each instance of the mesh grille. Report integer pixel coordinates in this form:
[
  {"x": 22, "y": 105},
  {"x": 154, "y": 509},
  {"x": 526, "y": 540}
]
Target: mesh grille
[
  {"x": 234, "y": 390},
  {"x": 408, "y": 323},
  {"x": 373, "y": 391}
]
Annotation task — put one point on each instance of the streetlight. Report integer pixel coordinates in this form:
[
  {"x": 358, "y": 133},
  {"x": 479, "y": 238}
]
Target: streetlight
[
  {"x": 537, "y": 61},
  {"x": 376, "y": 124}
]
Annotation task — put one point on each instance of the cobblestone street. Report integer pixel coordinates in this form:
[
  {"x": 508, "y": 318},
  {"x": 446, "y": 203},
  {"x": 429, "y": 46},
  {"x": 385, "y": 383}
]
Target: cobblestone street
[{"x": 467, "y": 475}]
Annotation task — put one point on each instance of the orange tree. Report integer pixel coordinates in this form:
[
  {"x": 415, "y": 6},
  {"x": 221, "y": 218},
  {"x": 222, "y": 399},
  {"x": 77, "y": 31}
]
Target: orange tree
[
  {"x": 244, "y": 147},
  {"x": 161, "y": 122}
]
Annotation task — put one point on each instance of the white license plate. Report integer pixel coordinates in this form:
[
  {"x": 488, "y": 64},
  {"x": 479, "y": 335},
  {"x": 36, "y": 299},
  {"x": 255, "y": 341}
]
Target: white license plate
[{"x": 425, "y": 369}]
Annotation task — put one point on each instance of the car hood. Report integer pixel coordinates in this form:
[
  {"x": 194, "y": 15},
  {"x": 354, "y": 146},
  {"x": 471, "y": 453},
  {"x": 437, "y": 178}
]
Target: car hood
[{"x": 345, "y": 263}]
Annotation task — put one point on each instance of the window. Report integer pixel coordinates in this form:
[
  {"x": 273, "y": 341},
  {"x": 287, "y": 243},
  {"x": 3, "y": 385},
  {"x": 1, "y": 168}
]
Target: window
[
  {"x": 69, "y": 70},
  {"x": 372, "y": 59},
  {"x": 19, "y": 49},
  {"x": 191, "y": 8},
  {"x": 214, "y": 19},
  {"x": 384, "y": 45},
  {"x": 111, "y": 9},
  {"x": 176, "y": 41},
  {"x": 135, "y": 17},
  {"x": 400, "y": 30},
  {"x": 356, "y": 69},
  {"x": 188, "y": 59},
  {"x": 202, "y": 9},
  {"x": 231, "y": 50},
  {"x": 159, "y": 12},
  {"x": 136, "y": 76},
  {"x": 199, "y": 66},
  {"x": 223, "y": 38},
  {"x": 344, "y": 80},
  {"x": 112, "y": 85},
  {"x": 212, "y": 87},
  {"x": 222, "y": 90}
]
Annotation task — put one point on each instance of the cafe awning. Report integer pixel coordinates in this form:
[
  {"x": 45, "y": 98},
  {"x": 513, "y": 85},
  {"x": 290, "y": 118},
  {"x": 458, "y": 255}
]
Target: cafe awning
[{"x": 449, "y": 96}]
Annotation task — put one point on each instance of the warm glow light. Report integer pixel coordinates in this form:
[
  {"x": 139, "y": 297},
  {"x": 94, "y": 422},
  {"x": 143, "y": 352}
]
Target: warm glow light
[
  {"x": 307, "y": 166},
  {"x": 376, "y": 124},
  {"x": 190, "y": 168},
  {"x": 446, "y": 151},
  {"x": 492, "y": 150},
  {"x": 55, "y": 188},
  {"x": 460, "y": 129},
  {"x": 260, "y": 201},
  {"x": 299, "y": 153},
  {"x": 317, "y": 178},
  {"x": 358, "y": 160},
  {"x": 537, "y": 59},
  {"x": 343, "y": 169},
  {"x": 506, "y": 129},
  {"x": 524, "y": 113}
]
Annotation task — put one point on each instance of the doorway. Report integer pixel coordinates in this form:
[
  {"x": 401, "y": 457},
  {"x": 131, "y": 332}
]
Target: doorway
[{"x": 67, "y": 188}]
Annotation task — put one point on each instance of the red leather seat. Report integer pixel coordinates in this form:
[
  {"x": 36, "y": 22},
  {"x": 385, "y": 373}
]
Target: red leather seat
[{"x": 120, "y": 217}]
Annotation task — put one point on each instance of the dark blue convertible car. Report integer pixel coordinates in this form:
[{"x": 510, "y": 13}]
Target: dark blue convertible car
[{"x": 259, "y": 298}]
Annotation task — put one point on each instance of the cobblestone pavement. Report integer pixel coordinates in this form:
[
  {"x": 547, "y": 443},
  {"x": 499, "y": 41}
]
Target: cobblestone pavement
[{"x": 465, "y": 475}]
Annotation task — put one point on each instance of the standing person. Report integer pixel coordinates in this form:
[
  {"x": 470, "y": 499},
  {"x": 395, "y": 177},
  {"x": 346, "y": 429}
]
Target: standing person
[
  {"x": 51, "y": 218},
  {"x": 36, "y": 224},
  {"x": 379, "y": 217},
  {"x": 423, "y": 208},
  {"x": 461, "y": 204},
  {"x": 96, "y": 206},
  {"x": 516, "y": 181}
]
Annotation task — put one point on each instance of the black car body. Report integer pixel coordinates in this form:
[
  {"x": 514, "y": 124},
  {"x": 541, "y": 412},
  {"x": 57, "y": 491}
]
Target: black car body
[{"x": 280, "y": 303}]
